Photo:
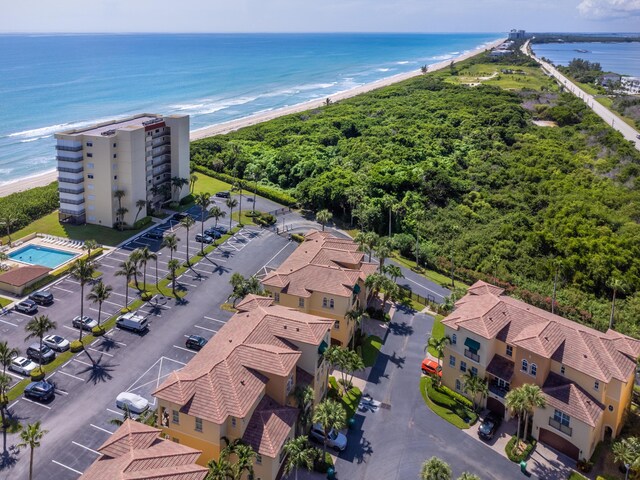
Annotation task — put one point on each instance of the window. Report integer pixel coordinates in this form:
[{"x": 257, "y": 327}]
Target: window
[
  {"x": 115, "y": 177},
  {"x": 198, "y": 424},
  {"x": 336, "y": 325},
  {"x": 562, "y": 370},
  {"x": 115, "y": 155},
  {"x": 276, "y": 297},
  {"x": 596, "y": 385},
  {"x": 89, "y": 144},
  {"x": 92, "y": 207},
  {"x": 258, "y": 459},
  {"x": 533, "y": 369},
  {"x": 458, "y": 384},
  {"x": 89, "y": 154},
  {"x": 525, "y": 365},
  {"x": 561, "y": 417},
  {"x": 233, "y": 421},
  {"x": 175, "y": 417},
  {"x": 454, "y": 339},
  {"x": 474, "y": 371},
  {"x": 114, "y": 145},
  {"x": 324, "y": 302},
  {"x": 90, "y": 175},
  {"x": 301, "y": 302},
  {"x": 463, "y": 366},
  {"x": 331, "y": 303},
  {"x": 509, "y": 351},
  {"x": 289, "y": 384},
  {"x": 91, "y": 218},
  {"x": 90, "y": 186},
  {"x": 452, "y": 360},
  {"x": 90, "y": 165}
]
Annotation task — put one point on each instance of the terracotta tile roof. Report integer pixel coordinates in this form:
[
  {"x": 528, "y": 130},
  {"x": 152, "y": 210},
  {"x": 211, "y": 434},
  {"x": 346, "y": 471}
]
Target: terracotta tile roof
[
  {"x": 269, "y": 427},
  {"x": 251, "y": 301},
  {"x": 135, "y": 451},
  {"x": 571, "y": 399},
  {"x": 322, "y": 263},
  {"x": 224, "y": 377},
  {"x": 20, "y": 276},
  {"x": 488, "y": 313},
  {"x": 501, "y": 367}
]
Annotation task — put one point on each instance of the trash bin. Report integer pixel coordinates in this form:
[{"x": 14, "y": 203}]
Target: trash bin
[
  {"x": 331, "y": 473},
  {"x": 351, "y": 423},
  {"x": 523, "y": 466}
]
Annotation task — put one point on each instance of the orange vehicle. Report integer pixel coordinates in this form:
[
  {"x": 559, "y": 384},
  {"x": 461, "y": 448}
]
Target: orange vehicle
[{"x": 430, "y": 367}]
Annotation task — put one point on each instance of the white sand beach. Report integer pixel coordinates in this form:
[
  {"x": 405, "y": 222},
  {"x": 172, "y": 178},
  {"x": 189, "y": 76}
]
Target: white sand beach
[{"x": 222, "y": 128}]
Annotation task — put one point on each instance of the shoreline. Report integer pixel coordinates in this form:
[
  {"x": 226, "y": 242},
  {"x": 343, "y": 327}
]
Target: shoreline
[{"x": 44, "y": 179}]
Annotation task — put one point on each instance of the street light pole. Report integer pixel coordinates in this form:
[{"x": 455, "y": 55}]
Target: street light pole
[{"x": 627, "y": 466}]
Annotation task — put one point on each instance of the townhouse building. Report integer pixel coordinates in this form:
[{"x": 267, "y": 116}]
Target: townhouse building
[
  {"x": 324, "y": 276},
  {"x": 138, "y": 155},
  {"x": 241, "y": 384},
  {"x": 586, "y": 376}
]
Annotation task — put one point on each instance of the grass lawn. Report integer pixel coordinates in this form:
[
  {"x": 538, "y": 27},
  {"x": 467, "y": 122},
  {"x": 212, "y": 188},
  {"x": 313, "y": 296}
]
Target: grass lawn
[
  {"x": 370, "y": 349},
  {"x": 49, "y": 225},
  {"x": 442, "y": 412},
  {"x": 5, "y": 301},
  {"x": 489, "y": 74},
  {"x": 350, "y": 401},
  {"x": 209, "y": 184},
  {"x": 432, "y": 275},
  {"x": 576, "y": 476},
  {"x": 437, "y": 331},
  {"x": 245, "y": 220}
]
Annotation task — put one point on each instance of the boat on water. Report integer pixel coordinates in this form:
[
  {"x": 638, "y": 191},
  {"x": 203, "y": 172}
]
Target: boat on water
[{"x": 580, "y": 50}]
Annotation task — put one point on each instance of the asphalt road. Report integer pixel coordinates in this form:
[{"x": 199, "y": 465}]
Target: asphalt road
[
  {"x": 603, "y": 112},
  {"x": 393, "y": 442}
]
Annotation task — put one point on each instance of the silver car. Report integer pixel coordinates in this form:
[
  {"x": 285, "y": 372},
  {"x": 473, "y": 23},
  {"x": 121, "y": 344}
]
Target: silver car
[
  {"x": 56, "y": 342},
  {"x": 335, "y": 440},
  {"x": 132, "y": 401},
  {"x": 86, "y": 323},
  {"x": 22, "y": 365}
]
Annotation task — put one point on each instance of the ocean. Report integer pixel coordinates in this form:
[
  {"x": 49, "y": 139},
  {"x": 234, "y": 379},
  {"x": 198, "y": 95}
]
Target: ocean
[
  {"x": 50, "y": 83},
  {"x": 622, "y": 58}
]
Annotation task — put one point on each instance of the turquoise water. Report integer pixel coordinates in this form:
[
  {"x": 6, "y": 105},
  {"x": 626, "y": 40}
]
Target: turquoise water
[
  {"x": 53, "y": 82},
  {"x": 47, "y": 257}
]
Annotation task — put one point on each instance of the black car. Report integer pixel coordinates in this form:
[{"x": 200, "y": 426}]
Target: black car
[
  {"x": 220, "y": 229},
  {"x": 489, "y": 426},
  {"x": 180, "y": 216},
  {"x": 41, "y": 390},
  {"x": 223, "y": 195},
  {"x": 203, "y": 239},
  {"x": 40, "y": 355},
  {"x": 213, "y": 233},
  {"x": 155, "y": 234},
  {"x": 195, "y": 342},
  {"x": 27, "y": 306},
  {"x": 42, "y": 298}
]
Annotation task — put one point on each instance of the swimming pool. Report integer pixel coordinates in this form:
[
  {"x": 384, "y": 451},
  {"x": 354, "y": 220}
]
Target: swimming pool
[{"x": 37, "y": 255}]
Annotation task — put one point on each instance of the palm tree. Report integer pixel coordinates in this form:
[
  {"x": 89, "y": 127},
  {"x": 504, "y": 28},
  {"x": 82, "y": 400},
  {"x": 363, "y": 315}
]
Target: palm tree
[
  {"x": 533, "y": 398},
  {"x": 99, "y": 294},
  {"x": 217, "y": 213},
  {"x": 88, "y": 246},
  {"x": 374, "y": 283},
  {"x": 435, "y": 469},
  {"x": 145, "y": 256},
  {"x": 332, "y": 416},
  {"x": 119, "y": 195},
  {"x": 305, "y": 397},
  {"x": 219, "y": 469},
  {"x": 323, "y": 217},
  {"x": 616, "y": 285},
  {"x": 371, "y": 240},
  {"x": 7, "y": 355},
  {"x": 474, "y": 386},
  {"x": 176, "y": 185},
  {"x": 171, "y": 242},
  {"x": 627, "y": 452},
  {"x": 390, "y": 291},
  {"x": 361, "y": 239},
  {"x": 128, "y": 269},
  {"x": 203, "y": 200},
  {"x": 125, "y": 416},
  {"x": 240, "y": 187},
  {"x": 120, "y": 213},
  {"x": 187, "y": 222},
  {"x": 173, "y": 265},
  {"x": 31, "y": 436},
  {"x": 231, "y": 204},
  {"x": 8, "y": 220},
  {"x": 355, "y": 315},
  {"x": 82, "y": 270},
  {"x": 244, "y": 463},
  {"x": 38, "y": 327},
  {"x": 140, "y": 204},
  {"x": 299, "y": 455},
  {"x": 394, "y": 272},
  {"x": 5, "y": 382},
  {"x": 515, "y": 402},
  {"x": 193, "y": 178},
  {"x": 437, "y": 344},
  {"x": 134, "y": 257},
  {"x": 468, "y": 476},
  {"x": 383, "y": 250}
]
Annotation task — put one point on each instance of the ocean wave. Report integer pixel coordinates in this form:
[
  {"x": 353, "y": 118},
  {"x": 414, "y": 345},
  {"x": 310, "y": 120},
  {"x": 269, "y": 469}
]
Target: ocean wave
[
  {"x": 28, "y": 140},
  {"x": 207, "y": 106},
  {"x": 382, "y": 69},
  {"x": 404, "y": 62},
  {"x": 441, "y": 57},
  {"x": 305, "y": 87},
  {"x": 44, "y": 132}
]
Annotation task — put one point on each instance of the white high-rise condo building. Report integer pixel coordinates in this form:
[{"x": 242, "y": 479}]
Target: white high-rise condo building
[{"x": 105, "y": 170}]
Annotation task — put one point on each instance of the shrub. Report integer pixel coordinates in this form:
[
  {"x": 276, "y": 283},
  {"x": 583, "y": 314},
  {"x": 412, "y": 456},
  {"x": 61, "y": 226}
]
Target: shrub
[
  {"x": 37, "y": 374},
  {"x": 76, "y": 346},
  {"x": 518, "y": 457},
  {"x": 321, "y": 465},
  {"x": 29, "y": 205},
  {"x": 98, "y": 331},
  {"x": 146, "y": 296},
  {"x": 333, "y": 383},
  {"x": 584, "y": 465},
  {"x": 143, "y": 222},
  {"x": 296, "y": 237},
  {"x": 187, "y": 200},
  {"x": 125, "y": 310}
]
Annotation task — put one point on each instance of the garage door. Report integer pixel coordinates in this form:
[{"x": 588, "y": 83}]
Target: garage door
[
  {"x": 495, "y": 406},
  {"x": 561, "y": 444}
]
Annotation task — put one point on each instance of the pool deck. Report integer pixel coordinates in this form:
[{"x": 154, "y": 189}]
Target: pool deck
[{"x": 56, "y": 243}]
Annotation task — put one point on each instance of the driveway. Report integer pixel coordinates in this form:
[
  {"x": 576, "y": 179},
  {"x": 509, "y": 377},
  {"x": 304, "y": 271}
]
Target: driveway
[{"x": 393, "y": 442}]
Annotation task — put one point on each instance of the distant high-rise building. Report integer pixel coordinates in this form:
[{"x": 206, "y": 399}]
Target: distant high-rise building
[
  {"x": 137, "y": 156},
  {"x": 517, "y": 34}
]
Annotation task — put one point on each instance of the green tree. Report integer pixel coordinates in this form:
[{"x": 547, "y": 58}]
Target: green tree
[
  {"x": 240, "y": 186},
  {"x": 231, "y": 204},
  {"x": 517, "y": 404},
  {"x": 187, "y": 222},
  {"x": 203, "y": 200},
  {"x": 533, "y": 398},
  {"x": 468, "y": 476},
  {"x": 134, "y": 258},
  {"x": 371, "y": 240},
  {"x": 171, "y": 242},
  {"x": 355, "y": 315},
  {"x": 394, "y": 272},
  {"x": 331, "y": 416},
  {"x": 305, "y": 397},
  {"x": 217, "y": 213},
  {"x": 31, "y": 437},
  {"x": 219, "y": 469},
  {"x": 374, "y": 283},
  {"x": 99, "y": 294},
  {"x": 244, "y": 286},
  {"x": 120, "y": 211},
  {"x": 146, "y": 255},
  {"x": 192, "y": 182},
  {"x": 627, "y": 452},
  {"x": 298, "y": 455},
  {"x": 176, "y": 186},
  {"x": 7, "y": 354},
  {"x": 38, "y": 327},
  {"x": 5, "y": 382},
  {"x": 8, "y": 220},
  {"x": 616, "y": 285},
  {"x": 323, "y": 217},
  {"x": 349, "y": 362},
  {"x": 127, "y": 270},
  {"x": 173, "y": 265},
  {"x": 438, "y": 344},
  {"x": 474, "y": 386},
  {"x": 88, "y": 246},
  {"x": 140, "y": 204},
  {"x": 435, "y": 469},
  {"x": 82, "y": 270}
]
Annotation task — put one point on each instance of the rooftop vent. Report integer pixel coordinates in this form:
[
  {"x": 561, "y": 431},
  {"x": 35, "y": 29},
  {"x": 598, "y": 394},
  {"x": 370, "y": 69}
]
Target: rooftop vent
[
  {"x": 153, "y": 121},
  {"x": 108, "y": 133}
]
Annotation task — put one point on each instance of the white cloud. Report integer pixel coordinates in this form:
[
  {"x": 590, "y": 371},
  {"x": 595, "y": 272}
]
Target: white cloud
[{"x": 600, "y": 9}]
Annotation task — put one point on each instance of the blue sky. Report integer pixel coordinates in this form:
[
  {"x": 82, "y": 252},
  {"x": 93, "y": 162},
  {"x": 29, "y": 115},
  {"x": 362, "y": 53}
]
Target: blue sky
[{"x": 319, "y": 15}]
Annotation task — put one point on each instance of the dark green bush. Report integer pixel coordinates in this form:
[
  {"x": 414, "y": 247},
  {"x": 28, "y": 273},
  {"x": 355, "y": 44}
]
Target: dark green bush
[
  {"x": 143, "y": 222},
  {"x": 187, "y": 200},
  {"x": 25, "y": 207},
  {"x": 517, "y": 458}
]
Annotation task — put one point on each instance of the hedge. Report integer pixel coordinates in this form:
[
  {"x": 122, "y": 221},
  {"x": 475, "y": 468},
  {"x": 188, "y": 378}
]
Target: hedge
[
  {"x": 143, "y": 222},
  {"x": 517, "y": 458},
  {"x": 29, "y": 205},
  {"x": 271, "y": 193},
  {"x": 187, "y": 200},
  {"x": 296, "y": 237}
]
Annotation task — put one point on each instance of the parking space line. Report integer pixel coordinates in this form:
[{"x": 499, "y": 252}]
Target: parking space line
[
  {"x": 63, "y": 289},
  {"x": 116, "y": 293},
  {"x": 86, "y": 448},
  {"x": 68, "y": 468},
  {"x": 214, "y": 320},
  {"x": 8, "y": 323},
  {"x": 84, "y": 363},
  {"x": 14, "y": 375},
  {"x": 114, "y": 411},
  {"x": 185, "y": 349},
  {"x": 13, "y": 404},
  {"x": 70, "y": 375},
  {"x": 185, "y": 283},
  {"x": 205, "y": 328},
  {"x": 58, "y": 390},
  {"x": 101, "y": 352},
  {"x": 102, "y": 264},
  {"x": 70, "y": 328},
  {"x": 35, "y": 403},
  {"x": 101, "y": 429},
  {"x": 21, "y": 314}
]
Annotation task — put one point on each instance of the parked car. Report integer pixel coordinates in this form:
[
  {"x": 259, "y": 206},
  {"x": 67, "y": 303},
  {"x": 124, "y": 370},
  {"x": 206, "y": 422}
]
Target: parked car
[
  {"x": 220, "y": 229},
  {"x": 41, "y": 391},
  {"x": 156, "y": 234},
  {"x": 56, "y": 342},
  {"x": 180, "y": 215},
  {"x": 489, "y": 426},
  {"x": 86, "y": 323},
  {"x": 224, "y": 194},
  {"x": 40, "y": 355},
  {"x": 203, "y": 239},
  {"x": 43, "y": 297},
  {"x": 22, "y": 365},
  {"x": 335, "y": 440},
  {"x": 133, "y": 322},
  {"x": 133, "y": 402},
  {"x": 27, "y": 306},
  {"x": 431, "y": 367},
  {"x": 195, "y": 342},
  {"x": 213, "y": 233}
]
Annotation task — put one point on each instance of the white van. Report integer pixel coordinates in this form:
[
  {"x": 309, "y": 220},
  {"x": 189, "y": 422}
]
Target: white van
[{"x": 133, "y": 322}]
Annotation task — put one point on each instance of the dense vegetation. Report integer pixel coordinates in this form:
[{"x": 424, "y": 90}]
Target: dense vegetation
[
  {"x": 466, "y": 170},
  {"x": 583, "y": 71},
  {"x": 19, "y": 209},
  {"x": 582, "y": 38}
]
